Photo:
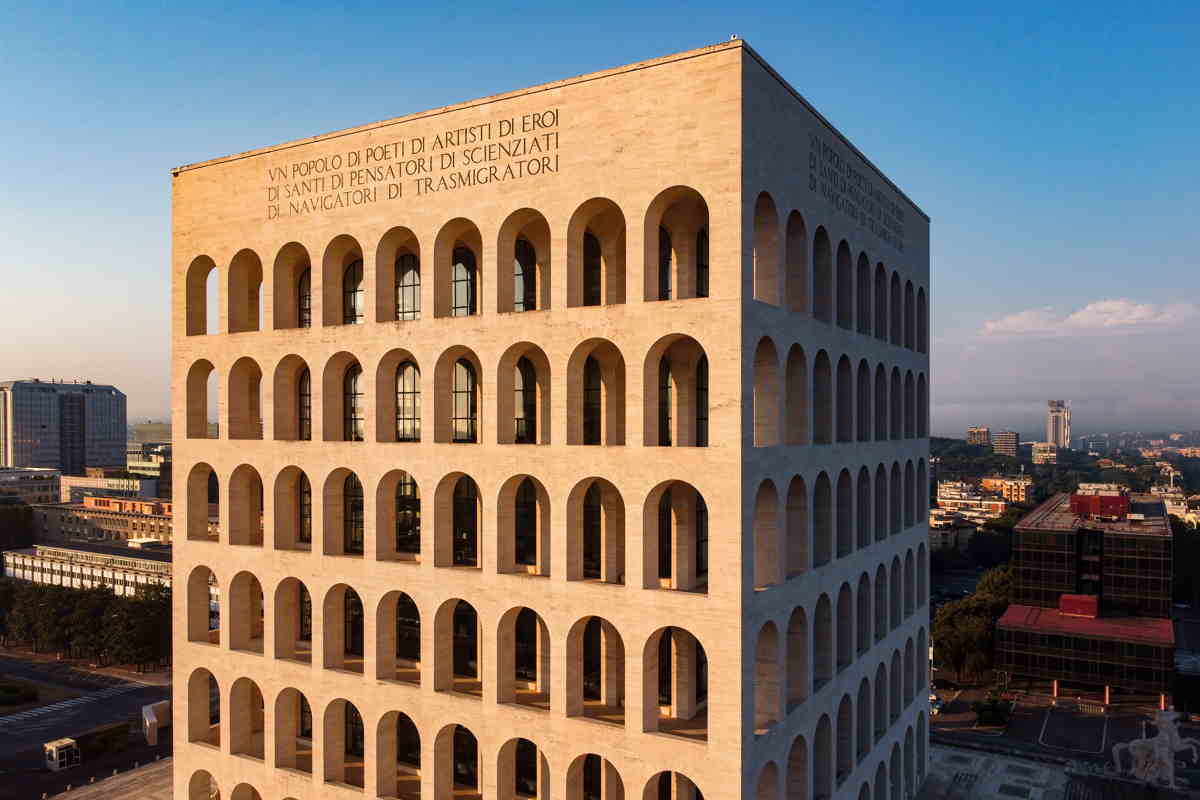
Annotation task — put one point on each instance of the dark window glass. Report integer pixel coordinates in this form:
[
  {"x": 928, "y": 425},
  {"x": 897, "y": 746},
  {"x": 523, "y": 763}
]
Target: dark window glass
[
  {"x": 702, "y": 402},
  {"x": 701, "y": 675},
  {"x": 352, "y": 405},
  {"x": 352, "y": 294},
  {"x": 408, "y": 629},
  {"x": 466, "y": 758},
  {"x": 592, "y": 401},
  {"x": 304, "y": 724},
  {"x": 304, "y": 299},
  {"x": 701, "y": 537},
  {"x": 408, "y": 403},
  {"x": 665, "y": 668},
  {"x": 466, "y": 642},
  {"x": 593, "y": 270},
  {"x": 593, "y": 536},
  {"x": 352, "y": 515},
  {"x": 408, "y": 287},
  {"x": 665, "y": 538},
  {"x": 702, "y": 262},
  {"x": 466, "y": 523},
  {"x": 353, "y": 645},
  {"x": 593, "y": 781},
  {"x": 304, "y": 625},
  {"x": 591, "y": 659},
  {"x": 304, "y": 405},
  {"x": 304, "y": 511},
  {"x": 527, "y": 645},
  {"x": 408, "y": 516},
  {"x": 526, "y": 768},
  {"x": 354, "y": 732},
  {"x": 525, "y": 521},
  {"x": 462, "y": 285},
  {"x": 664, "y": 264},
  {"x": 524, "y": 277},
  {"x": 664, "y": 786},
  {"x": 463, "y": 423},
  {"x": 525, "y": 402},
  {"x": 664, "y": 402}
]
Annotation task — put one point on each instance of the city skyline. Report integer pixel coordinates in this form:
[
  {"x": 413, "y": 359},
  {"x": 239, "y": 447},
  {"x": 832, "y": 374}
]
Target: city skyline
[{"x": 1112, "y": 260}]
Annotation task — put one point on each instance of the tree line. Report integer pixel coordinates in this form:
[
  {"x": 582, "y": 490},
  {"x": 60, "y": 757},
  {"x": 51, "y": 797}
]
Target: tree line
[
  {"x": 96, "y": 624},
  {"x": 964, "y": 630}
]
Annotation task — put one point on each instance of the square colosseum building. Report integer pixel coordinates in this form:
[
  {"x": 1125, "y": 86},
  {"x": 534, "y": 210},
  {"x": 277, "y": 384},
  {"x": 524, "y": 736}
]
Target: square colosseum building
[{"x": 572, "y": 444}]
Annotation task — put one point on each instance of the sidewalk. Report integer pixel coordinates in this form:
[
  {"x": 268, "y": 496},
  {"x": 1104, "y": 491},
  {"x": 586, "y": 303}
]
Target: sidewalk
[{"x": 78, "y": 671}]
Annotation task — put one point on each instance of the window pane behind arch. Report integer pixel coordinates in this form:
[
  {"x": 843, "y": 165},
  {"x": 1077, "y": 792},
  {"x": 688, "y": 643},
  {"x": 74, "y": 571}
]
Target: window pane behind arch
[
  {"x": 463, "y": 283},
  {"x": 466, "y": 523},
  {"x": 352, "y": 294},
  {"x": 304, "y": 406},
  {"x": 702, "y": 402},
  {"x": 304, "y": 511},
  {"x": 408, "y": 516},
  {"x": 702, "y": 262},
  {"x": 664, "y": 403},
  {"x": 524, "y": 276},
  {"x": 352, "y": 519},
  {"x": 592, "y": 401},
  {"x": 464, "y": 420},
  {"x": 304, "y": 299},
  {"x": 592, "y": 533},
  {"x": 408, "y": 287},
  {"x": 352, "y": 404},
  {"x": 525, "y": 524},
  {"x": 593, "y": 268},
  {"x": 664, "y": 264},
  {"x": 408, "y": 403},
  {"x": 525, "y": 403}
]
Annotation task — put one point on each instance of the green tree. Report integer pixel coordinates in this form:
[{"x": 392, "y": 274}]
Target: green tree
[{"x": 86, "y": 622}]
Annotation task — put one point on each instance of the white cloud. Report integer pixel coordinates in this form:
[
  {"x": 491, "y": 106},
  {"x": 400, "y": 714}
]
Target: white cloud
[{"x": 1100, "y": 317}]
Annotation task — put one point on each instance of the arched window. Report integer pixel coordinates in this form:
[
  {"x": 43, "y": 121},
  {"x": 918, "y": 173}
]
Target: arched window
[
  {"x": 352, "y": 294},
  {"x": 702, "y": 402},
  {"x": 701, "y": 539},
  {"x": 463, "y": 300},
  {"x": 408, "y": 636},
  {"x": 352, "y": 405},
  {"x": 408, "y": 403},
  {"x": 408, "y": 516},
  {"x": 464, "y": 422},
  {"x": 466, "y": 523},
  {"x": 304, "y": 511},
  {"x": 525, "y": 524},
  {"x": 304, "y": 405},
  {"x": 702, "y": 262},
  {"x": 524, "y": 276},
  {"x": 664, "y": 403},
  {"x": 352, "y": 516},
  {"x": 304, "y": 299},
  {"x": 353, "y": 645},
  {"x": 525, "y": 402},
  {"x": 593, "y": 533},
  {"x": 664, "y": 264},
  {"x": 592, "y": 401},
  {"x": 665, "y": 539},
  {"x": 593, "y": 270},
  {"x": 355, "y": 740},
  {"x": 408, "y": 287}
]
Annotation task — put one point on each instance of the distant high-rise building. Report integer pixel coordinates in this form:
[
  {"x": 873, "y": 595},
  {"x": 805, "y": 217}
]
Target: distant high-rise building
[
  {"x": 1045, "y": 453},
  {"x": 1058, "y": 424},
  {"x": 1004, "y": 443},
  {"x": 980, "y": 435},
  {"x": 63, "y": 426}
]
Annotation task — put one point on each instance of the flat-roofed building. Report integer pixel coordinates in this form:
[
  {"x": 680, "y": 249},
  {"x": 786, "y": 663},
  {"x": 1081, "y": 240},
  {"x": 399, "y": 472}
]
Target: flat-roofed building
[
  {"x": 1004, "y": 443},
  {"x": 30, "y": 485},
  {"x": 1091, "y": 591},
  {"x": 981, "y": 436},
  {"x": 104, "y": 519},
  {"x": 64, "y": 426},
  {"x": 86, "y": 566},
  {"x": 579, "y": 449},
  {"x": 1014, "y": 489},
  {"x": 74, "y": 488}
]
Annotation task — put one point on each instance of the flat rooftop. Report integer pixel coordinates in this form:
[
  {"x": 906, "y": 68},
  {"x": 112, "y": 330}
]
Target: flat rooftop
[
  {"x": 162, "y": 553},
  {"x": 1139, "y": 630},
  {"x": 1055, "y": 515}
]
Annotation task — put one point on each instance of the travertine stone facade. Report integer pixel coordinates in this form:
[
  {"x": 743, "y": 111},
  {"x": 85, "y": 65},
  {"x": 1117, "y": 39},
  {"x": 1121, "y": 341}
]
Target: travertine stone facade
[{"x": 589, "y": 424}]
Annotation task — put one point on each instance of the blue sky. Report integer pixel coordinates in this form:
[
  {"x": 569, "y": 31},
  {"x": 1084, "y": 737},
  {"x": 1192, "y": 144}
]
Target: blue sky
[{"x": 1054, "y": 146}]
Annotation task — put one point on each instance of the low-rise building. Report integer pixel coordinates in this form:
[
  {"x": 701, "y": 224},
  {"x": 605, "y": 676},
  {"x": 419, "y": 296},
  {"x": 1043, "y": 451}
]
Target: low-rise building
[
  {"x": 101, "y": 519},
  {"x": 969, "y": 501},
  {"x": 1004, "y": 443},
  {"x": 151, "y": 460},
  {"x": 74, "y": 488},
  {"x": 1015, "y": 489},
  {"x": 30, "y": 485},
  {"x": 85, "y": 566},
  {"x": 1045, "y": 453}
]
